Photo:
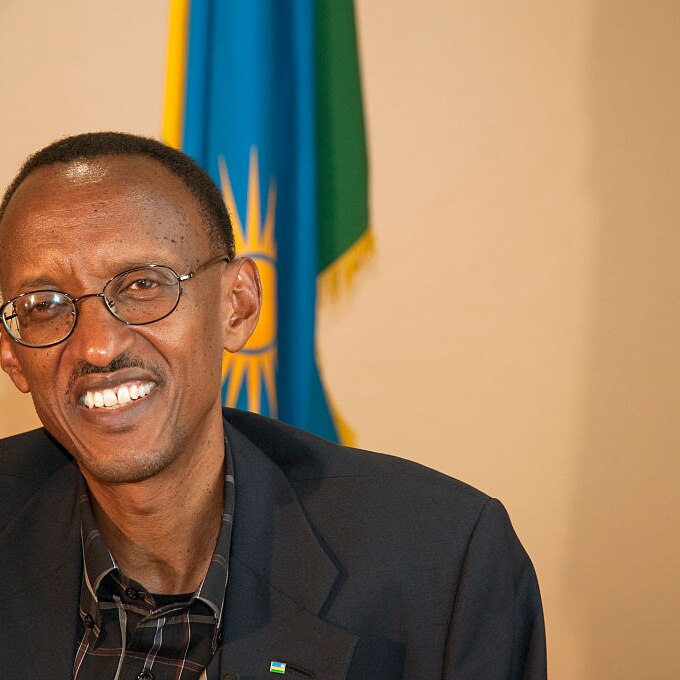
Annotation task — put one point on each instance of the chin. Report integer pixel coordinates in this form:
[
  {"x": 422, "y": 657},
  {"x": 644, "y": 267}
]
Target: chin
[{"x": 126, "y": 465}]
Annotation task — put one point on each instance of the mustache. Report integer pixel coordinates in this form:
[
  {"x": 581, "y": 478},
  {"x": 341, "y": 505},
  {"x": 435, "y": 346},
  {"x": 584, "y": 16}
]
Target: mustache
[{"x": 124, "y": 360}]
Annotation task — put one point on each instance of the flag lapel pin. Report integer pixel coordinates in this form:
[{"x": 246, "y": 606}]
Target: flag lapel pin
[{"x": 277, "y": 667}]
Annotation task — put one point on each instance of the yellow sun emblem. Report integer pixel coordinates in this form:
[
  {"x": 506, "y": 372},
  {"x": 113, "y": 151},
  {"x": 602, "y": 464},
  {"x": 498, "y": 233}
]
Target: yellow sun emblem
[{"x": 254, "y": 367}]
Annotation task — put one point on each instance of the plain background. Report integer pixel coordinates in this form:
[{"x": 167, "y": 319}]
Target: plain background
[{"x": 519, "y": 325}]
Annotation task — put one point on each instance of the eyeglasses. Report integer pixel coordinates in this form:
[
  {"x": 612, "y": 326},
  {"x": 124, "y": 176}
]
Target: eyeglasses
[{"x": 137, "y": 297}]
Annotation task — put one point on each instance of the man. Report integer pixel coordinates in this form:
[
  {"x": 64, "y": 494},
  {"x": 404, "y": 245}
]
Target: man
[{"x": 145, "y": 532}]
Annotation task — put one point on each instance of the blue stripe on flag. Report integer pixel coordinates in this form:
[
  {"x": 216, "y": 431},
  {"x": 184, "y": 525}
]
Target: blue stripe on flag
[{"x": 250, "y": 84}]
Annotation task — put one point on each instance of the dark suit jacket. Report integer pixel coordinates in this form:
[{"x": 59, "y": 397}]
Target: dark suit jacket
[{"x": 344, "y": 564}]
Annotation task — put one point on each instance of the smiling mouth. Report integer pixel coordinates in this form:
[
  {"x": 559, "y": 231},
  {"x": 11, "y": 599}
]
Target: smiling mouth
[{"x": 113, "y": 398}]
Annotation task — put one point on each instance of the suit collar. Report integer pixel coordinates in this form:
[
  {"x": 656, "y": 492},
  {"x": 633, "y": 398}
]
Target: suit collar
[
  {"x": 280, "y": 578},
  {"x": 271, "y": 534}
]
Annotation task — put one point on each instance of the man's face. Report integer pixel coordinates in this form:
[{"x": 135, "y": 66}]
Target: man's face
[{"x": 71, "y": 227}]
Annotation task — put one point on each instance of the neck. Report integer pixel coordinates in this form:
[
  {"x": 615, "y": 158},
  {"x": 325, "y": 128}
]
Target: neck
[{"x": 162, "y": 531}]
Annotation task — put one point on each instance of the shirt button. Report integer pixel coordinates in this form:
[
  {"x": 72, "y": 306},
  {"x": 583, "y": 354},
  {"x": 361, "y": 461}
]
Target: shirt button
[
  {"x": 133, "y": 594},
  {"x": 145, "y": 675},
  {"x": 88, "y": 621}
]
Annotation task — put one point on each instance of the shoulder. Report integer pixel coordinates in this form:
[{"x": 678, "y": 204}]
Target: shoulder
[
  {"x": 423, "y": 559},
  {"x": 331, "y": 480},
  {"x": 26, "y": 461},
  {"x": 306, "y": 457},
  {"x": 395, "y": 526},
  {"x": 31, "y": 456}
]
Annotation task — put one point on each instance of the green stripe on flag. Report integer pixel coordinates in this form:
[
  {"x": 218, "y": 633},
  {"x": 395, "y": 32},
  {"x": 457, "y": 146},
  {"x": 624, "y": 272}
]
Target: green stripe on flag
[{"x": 342, "y": 166}]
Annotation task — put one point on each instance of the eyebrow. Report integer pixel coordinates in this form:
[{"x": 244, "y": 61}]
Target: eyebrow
[
  {"x": 36, "y": 284},
  {"x": 47, "y": 283}
]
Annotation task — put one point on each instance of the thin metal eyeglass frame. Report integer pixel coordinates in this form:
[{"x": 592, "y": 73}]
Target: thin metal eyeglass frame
[{"x": 108, "y": 303}]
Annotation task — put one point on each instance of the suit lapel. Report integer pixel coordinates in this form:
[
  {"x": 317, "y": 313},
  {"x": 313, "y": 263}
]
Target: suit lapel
[
  {"x": 40, "y": 586},
  {"x": 280, "y": 578}
]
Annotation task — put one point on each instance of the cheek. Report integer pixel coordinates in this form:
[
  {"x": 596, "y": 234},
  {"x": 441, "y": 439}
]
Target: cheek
[
  {"x": 208, "y": 326},
  {"x": 40, "y": 368},
  {"x": 193, "y": 349},
  {"x": 49, "y": 385},
  {"x": 49, "y": 391},
  {"x": 206, "y": 354}
]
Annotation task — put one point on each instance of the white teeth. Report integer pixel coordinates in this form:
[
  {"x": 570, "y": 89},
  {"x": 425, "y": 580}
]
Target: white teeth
[
  {"x": 123, "y": 395},
  {"x": 109, "y": 397}
]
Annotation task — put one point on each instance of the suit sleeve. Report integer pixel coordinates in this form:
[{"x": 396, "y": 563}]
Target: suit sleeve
[{"x": 496, "y": 630}]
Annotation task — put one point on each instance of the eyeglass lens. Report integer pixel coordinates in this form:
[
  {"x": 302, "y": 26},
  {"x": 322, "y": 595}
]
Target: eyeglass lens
[
  {"x": 138, "y": 296},
  {"x": 40, "y": 318}
]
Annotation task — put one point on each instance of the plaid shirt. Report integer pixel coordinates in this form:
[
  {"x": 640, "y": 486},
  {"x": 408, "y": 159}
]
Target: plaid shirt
[{"x": 126, "y": 632}]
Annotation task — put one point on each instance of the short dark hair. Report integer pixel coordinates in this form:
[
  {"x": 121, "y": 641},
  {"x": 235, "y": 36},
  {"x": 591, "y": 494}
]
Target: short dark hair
[{"x": 97, "y": 144}]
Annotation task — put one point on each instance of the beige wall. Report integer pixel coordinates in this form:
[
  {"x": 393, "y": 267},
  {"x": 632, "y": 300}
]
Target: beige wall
[{"x": 519, "y": 326}]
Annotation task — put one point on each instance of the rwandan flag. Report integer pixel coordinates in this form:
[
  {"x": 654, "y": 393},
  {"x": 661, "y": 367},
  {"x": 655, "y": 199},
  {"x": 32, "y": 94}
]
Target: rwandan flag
[{"x": 265, "y": 94}]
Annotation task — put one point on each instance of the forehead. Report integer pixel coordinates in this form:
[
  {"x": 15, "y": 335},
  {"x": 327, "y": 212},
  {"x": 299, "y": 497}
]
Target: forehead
[{"x": 104, "y": 208}]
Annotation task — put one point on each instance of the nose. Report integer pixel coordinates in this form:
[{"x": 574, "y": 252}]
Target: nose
[{"x": 98, "y": 337}]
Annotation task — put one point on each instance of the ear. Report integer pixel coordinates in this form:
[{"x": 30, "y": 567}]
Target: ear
[
  {"x": 243, "y": 292},
  {"x": 10, "y": 362}
]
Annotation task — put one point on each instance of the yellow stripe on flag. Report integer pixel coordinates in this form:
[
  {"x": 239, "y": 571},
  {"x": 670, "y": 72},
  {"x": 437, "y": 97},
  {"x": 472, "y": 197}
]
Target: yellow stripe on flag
[{"x": 175, "y": 73}]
